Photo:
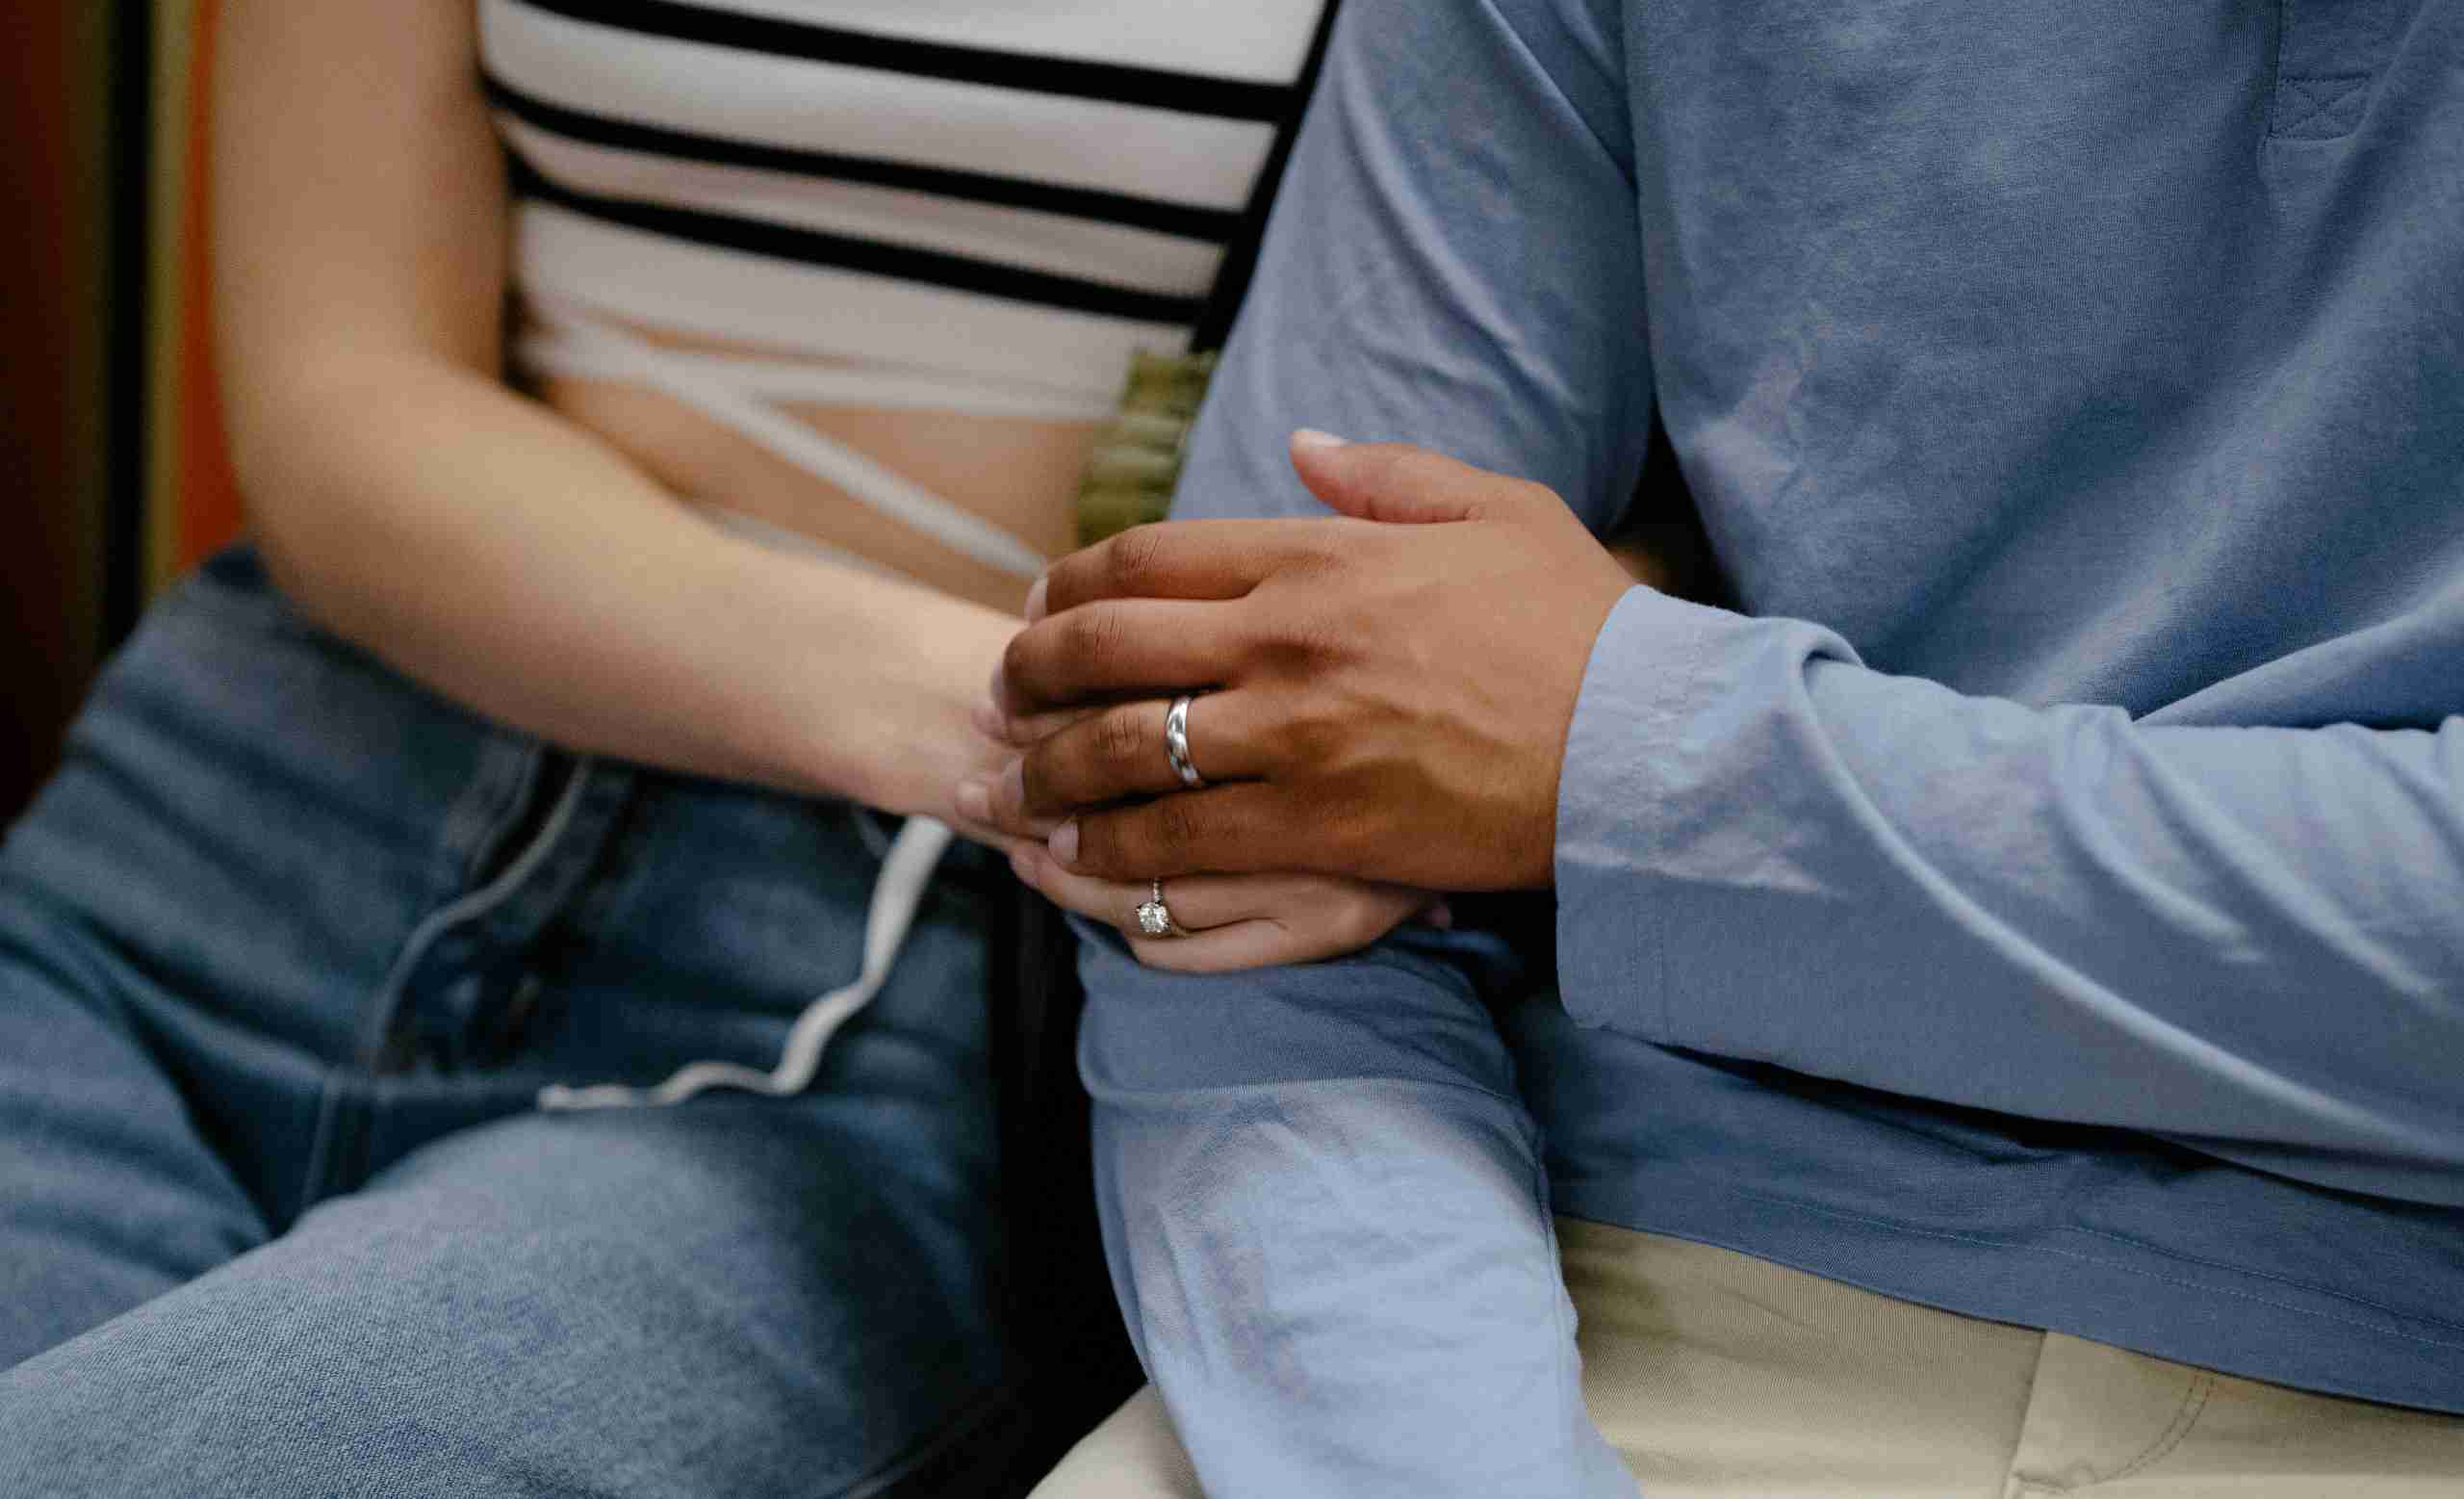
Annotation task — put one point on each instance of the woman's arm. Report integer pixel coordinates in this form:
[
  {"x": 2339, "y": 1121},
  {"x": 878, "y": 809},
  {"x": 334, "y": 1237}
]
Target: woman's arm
[
  {"x": 473, "y": 538},
  {"x": 504, "y": 556}
]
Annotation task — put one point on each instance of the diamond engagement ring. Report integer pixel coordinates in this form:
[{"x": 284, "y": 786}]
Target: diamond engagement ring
[
  {"x": 1154, "y": 917},
  {"x": 1176, "y": 743}
]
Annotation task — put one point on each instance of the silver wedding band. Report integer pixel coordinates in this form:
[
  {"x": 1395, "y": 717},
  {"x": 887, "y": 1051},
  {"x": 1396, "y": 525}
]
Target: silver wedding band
[
  {"x": 1176, "y": 744},
  {"x": 1155, "y": 918}
]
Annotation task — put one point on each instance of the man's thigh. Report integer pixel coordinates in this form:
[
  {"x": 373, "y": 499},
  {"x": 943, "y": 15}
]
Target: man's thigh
[
  {"x": 1133, "y": 1455},
  {"x": 2123, "y": 1425},
  {"x": 1719, "y": 1376},
  {"x": 720, "y": 1297}
]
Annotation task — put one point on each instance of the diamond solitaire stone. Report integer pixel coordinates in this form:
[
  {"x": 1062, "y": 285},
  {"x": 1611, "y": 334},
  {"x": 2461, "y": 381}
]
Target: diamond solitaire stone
[{"x": 1154, "y": 918}]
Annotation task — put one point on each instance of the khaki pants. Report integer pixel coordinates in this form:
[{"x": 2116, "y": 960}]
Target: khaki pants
[{"x": 1719, "y": 1374}]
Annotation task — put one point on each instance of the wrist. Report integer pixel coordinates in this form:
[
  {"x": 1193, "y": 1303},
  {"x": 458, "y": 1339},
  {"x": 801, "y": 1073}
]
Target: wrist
[{"x": 878, "y": 706}]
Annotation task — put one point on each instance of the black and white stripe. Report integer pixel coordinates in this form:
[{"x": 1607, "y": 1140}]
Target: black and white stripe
[
  {"x": 1034, "y": 72},
  {"x": 1191, "y": 221},
  {"x": 1079, "y": 166}
]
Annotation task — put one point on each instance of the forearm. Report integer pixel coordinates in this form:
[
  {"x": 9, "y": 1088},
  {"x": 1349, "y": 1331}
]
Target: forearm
[
  {"x": 485, "y": 546},
  {"x": 477, "y": 540},
  {"x": 2250, "y": 939}
]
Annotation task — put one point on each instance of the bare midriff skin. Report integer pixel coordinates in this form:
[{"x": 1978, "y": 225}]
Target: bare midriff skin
[{"x": 1018, "y": 472}]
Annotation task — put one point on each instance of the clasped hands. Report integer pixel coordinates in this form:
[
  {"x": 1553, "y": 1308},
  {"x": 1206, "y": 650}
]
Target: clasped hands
[{"x": 1384, "y": 701}]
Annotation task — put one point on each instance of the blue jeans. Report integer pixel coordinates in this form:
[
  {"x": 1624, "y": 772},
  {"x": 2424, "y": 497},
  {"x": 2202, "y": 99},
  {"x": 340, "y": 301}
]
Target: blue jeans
[{"x": 288, "y": 949}]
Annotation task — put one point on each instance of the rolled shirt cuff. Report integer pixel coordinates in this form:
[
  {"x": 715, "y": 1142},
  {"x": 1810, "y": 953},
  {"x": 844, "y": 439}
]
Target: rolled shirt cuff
[{"x": 1669, "y": 777}]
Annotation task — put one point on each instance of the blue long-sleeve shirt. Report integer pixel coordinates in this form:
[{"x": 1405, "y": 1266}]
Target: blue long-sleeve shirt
[{"x": 2044, "y": 896}]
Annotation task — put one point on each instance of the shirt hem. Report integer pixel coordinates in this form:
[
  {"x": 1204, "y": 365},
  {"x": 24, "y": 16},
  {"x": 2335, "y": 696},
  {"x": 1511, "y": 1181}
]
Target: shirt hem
[{"x": 2257, "y": 1332}]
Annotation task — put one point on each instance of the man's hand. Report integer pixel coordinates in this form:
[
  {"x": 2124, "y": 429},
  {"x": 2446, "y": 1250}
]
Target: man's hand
[{"x": 1386, "y": 701}]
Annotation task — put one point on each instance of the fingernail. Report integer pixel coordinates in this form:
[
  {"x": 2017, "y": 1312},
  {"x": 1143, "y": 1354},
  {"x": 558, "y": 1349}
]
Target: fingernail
[
  {"x": 1441, "y": 916},
  {"x": 988, "y": 721},
  {"x": 1013, "y": 784},
  {"x": 1063, "y": 844},
  {"x": 1311, "y": 437},
  {"x": 975, "y": 801},
  {"x": 1035, "y": 602}
]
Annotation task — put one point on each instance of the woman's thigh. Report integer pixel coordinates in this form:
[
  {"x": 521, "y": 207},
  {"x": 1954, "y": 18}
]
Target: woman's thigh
[
  {"x": 289, "y": 937},
  {"x": 203, "y": 918},
  {"x": 718, "y": 1298}
]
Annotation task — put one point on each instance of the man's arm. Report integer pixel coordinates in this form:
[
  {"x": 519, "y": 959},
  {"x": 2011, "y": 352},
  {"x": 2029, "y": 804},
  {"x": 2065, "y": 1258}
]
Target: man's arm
[
  {"x": 1454, "y": 261},
  {"x": 1322, "y": 1196},
  {"x": 2248, "y": 939}
]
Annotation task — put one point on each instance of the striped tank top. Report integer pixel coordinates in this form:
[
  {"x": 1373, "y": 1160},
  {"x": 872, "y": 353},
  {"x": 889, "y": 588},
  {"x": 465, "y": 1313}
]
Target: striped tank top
[
  {"x": 974, "y": 206},
  {"x": 980, "y": 206}
]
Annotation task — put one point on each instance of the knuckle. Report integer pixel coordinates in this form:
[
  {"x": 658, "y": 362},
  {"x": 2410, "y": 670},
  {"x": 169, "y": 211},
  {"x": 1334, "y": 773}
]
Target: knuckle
[
  {"x": 1539, "y": 499},
  {"x": 1298, "y": 642},
  {"x": 1035, "y": 777},
  {"x": 1315, "y": 559},
  {"x": 1120, "y": 738},
  {"x": 1018, "y": 659},
  {"x": 1383, "y": 464},
  {"x": 1099, "y": 847},
  {"x": 1133, "y": 558},
  {"x": 1312, "y": 732},
  {"x": 1175, "y": 825},
  {"x": 1065, "y": 584},
  {"x": 1364, "y": 918},
  {"x": 1082, "y": 631},
  {"x": 1343, "y": 836},
  {"x": 1095, "y": 631}
]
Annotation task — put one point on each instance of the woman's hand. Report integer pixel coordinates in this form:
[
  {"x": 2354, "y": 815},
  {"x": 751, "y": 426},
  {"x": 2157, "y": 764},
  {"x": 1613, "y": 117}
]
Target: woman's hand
[
  {"x": 1225, "y": 922},
  {"x": 1232, "y": 921}
]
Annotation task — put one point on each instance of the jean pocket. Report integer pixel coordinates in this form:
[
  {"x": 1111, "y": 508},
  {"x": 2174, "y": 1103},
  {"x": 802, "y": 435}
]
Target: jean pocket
[{"x": 2329, "y": 57}]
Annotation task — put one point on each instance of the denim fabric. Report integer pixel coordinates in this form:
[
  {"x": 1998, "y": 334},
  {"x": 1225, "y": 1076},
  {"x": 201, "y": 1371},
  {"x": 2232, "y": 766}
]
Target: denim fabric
[
  {"x": 286, "y": 951},
  {"x": 2045, "y": 898}
]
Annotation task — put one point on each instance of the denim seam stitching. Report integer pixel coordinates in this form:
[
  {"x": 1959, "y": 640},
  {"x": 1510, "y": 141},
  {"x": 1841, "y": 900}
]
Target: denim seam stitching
[
  {"x": 616, "y": 851},
  {"x": 469, "y": 906}
]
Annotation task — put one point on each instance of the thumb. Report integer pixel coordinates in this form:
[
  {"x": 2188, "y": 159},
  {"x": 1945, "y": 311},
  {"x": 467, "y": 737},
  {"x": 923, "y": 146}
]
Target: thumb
[{"x": 1396, "y": 482}]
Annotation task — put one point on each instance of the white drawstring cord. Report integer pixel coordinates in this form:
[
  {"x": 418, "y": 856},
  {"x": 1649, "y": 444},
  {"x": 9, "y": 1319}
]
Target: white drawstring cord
[
  {"x": 906, "y": 872},
  {"x": 568, "y": 344}
]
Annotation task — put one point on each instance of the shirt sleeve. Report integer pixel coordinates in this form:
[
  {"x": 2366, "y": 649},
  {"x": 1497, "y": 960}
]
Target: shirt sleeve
[
  {"x": 1328, "y": 1227},
  {"x": 2248, "y": 938},
  {"x": 1454, "y": 261},
  {"x": 1321, "y": 1196}
]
